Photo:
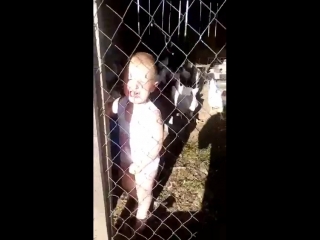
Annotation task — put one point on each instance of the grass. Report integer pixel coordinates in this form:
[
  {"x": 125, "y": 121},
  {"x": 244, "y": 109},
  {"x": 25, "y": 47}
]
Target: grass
[{"x": 186, "y": 183}]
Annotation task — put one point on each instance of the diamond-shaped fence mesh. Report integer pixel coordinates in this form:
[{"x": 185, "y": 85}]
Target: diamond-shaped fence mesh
[{"x": 160, "y": 85}]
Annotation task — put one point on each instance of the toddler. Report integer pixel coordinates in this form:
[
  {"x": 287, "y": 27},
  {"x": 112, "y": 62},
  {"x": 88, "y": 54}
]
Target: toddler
[{"x": 141, "y": 133}]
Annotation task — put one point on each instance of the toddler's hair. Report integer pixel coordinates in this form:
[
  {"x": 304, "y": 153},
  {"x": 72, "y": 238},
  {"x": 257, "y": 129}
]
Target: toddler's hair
[{"x": 146, "y": 60}]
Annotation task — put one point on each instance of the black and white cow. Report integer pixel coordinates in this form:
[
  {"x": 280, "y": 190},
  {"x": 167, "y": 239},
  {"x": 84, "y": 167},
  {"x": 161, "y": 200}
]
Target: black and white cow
[{"x": 177, "y": 94}]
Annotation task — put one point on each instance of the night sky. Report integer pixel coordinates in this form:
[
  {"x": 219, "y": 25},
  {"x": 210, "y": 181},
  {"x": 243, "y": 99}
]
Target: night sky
[{"x": 155, "y": 41}]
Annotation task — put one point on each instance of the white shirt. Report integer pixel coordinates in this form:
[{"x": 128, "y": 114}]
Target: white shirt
[{"x": 135, "y": 134}]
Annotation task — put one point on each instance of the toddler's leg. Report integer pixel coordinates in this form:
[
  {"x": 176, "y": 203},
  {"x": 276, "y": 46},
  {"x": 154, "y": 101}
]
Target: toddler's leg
[
  {"x": 127, "y": 179},
  {"x": 144, "y": 185},
  {"x": 128, "y": 185}
]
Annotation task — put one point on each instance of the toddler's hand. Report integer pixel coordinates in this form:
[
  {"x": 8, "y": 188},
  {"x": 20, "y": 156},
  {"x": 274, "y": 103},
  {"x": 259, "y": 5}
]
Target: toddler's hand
[{"x": 133, "y": 169}]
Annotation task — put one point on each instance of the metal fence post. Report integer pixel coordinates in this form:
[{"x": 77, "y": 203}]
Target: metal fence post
[
  {"x": 101, "y": 215},
  {"x": 102, "y": 162}
]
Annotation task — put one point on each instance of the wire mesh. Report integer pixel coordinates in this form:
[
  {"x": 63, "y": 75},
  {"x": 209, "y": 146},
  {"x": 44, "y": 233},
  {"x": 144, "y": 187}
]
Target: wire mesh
[{"x": 165, "y": 82}]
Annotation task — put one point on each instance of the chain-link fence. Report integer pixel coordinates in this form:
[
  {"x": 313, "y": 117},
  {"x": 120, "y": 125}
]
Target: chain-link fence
[{"x": 160, "y": 93}]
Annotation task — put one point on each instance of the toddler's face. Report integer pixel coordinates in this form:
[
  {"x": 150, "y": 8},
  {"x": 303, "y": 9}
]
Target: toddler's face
[{"x": 139, "y": 83}]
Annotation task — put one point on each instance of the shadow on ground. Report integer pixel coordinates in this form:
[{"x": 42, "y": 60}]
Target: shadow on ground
[
  {"x": 210, "y": 221},
  {"x": 214, "y": 201}
]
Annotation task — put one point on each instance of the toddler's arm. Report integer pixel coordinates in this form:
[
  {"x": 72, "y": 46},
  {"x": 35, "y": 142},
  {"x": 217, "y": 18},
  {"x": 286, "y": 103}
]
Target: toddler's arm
[{"x": 111, "y": 108}]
